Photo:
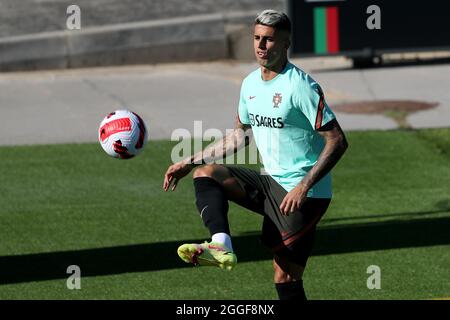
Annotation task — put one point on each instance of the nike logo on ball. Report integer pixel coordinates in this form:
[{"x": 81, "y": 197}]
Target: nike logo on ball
[{"x": 251, "y": 97}]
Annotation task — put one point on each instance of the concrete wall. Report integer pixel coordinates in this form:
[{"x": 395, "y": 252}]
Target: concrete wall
[
  {"x": 33, "y": 33},
  {"x": 20, "y": 17},
  {"x": 195, "y": 38}
]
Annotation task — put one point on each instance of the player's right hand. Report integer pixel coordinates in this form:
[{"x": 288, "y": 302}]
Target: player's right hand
[{"x": 174, "y": 173}]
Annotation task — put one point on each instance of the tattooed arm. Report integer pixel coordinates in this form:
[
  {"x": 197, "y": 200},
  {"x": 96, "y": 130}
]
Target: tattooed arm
[
  {"x": 229, "y": 145},
  {"x": 335, "y": 146},
  {"x": 221, "y": 149}
]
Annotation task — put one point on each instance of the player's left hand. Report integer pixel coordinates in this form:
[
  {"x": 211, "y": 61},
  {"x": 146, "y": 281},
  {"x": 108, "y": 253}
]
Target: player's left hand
[{"x": 293, "y": 200}]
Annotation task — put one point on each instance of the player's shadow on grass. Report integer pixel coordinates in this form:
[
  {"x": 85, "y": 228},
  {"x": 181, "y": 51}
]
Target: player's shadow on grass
[
  {"x": 161, "y": 256},
  {"x": 405, "y": 214},
  {"x": 442, "y": 207}
]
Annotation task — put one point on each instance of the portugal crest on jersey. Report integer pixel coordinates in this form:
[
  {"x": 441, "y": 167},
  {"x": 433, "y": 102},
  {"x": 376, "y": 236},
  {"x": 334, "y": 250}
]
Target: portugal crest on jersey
[{"x": 276, "y": 100}]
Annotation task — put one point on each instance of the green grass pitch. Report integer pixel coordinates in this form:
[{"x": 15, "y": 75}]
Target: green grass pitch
[{"x": 71, "y": 204}]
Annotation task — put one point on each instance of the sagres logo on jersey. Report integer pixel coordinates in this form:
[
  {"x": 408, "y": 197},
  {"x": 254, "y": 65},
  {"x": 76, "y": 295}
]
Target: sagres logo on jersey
[
  {"x": 268, "y": 122},
  {"x": 276, "y": 100}
]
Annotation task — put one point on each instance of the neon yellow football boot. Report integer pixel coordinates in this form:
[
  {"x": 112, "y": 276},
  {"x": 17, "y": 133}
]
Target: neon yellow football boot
[{"x": 208, "y": 254}]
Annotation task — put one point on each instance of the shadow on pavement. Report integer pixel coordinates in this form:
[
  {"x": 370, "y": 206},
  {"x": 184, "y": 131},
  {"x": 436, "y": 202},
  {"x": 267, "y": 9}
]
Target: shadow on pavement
[{"x": 389, "y": 64}]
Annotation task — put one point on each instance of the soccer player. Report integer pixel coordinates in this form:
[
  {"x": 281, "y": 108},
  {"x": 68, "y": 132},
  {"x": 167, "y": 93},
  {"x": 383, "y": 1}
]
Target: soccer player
[{"x": 299, "y": 140}]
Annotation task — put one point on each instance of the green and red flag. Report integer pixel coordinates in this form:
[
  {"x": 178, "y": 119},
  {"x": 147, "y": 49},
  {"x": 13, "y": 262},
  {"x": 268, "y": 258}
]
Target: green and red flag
[{"x": 326, "y": 30}]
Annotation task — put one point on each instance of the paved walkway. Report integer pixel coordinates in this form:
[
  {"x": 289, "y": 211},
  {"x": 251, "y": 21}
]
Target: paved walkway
[{"x": 67, "y": 106}]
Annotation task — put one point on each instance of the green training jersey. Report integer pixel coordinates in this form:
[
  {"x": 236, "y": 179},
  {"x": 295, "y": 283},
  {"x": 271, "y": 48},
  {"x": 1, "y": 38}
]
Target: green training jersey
[{"x": 284, "y": 114}]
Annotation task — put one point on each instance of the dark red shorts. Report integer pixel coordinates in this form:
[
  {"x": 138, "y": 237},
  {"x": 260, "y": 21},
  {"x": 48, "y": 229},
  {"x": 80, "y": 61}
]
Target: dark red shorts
[{"x": 291, "y": 236}]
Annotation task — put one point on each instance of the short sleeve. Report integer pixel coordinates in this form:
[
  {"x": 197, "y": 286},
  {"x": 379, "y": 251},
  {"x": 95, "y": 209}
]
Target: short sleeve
[
  {"x": 311, "y": 101},
  {"x": 242, "y": 109}
]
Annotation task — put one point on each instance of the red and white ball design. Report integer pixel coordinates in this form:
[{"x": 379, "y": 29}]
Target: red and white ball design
[{"x": 122, "y": 134}]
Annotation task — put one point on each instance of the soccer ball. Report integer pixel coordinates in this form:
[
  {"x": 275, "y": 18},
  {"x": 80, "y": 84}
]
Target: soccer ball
[{"x": 122, "y": 134}]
